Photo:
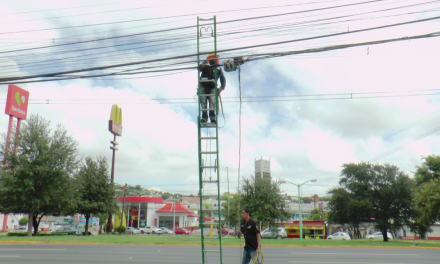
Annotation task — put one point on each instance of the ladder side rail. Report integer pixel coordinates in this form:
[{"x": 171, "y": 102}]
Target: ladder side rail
[
  {"x": 200, "y": 143},
  {"x": 217, "y": 147}
]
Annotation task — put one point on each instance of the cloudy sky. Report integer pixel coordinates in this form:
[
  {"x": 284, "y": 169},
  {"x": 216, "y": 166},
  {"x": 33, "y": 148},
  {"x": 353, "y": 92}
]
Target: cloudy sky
[{"x": 308, "y": 113}]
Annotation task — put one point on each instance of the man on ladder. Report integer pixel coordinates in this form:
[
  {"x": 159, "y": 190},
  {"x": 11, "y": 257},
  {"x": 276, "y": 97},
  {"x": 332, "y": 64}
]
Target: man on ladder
[{"x": 208, "y": 74}]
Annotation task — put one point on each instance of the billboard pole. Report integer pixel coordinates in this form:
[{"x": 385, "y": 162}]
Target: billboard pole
[
  {"x": 115, "y": 127},
  {"x": 113, "y": 162},
  {"x": 112, "y": 181},
  {"x": 8, "y": 138},
  {"x": 16, "y": 105},
  {"x": 17, "y": 133}
]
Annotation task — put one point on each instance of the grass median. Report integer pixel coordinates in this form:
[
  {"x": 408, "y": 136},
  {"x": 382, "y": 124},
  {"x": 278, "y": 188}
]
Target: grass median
[{"x": 195, "y": 241}]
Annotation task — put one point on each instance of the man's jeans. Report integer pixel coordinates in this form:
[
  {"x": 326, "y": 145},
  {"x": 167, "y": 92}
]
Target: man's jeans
[
  {"x": 204, "y": 100},
  {"x": 248, "y": 255}
]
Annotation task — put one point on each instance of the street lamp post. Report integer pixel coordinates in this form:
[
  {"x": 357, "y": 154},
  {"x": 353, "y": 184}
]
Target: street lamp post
[{"x": 299, "y": 200}]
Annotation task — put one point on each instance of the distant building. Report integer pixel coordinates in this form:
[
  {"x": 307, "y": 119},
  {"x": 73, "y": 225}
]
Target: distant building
[{"x": 262, "y": 169}]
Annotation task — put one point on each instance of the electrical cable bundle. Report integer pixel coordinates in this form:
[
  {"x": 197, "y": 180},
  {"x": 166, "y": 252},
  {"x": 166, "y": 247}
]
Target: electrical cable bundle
[{"x": 168, "y": 50}]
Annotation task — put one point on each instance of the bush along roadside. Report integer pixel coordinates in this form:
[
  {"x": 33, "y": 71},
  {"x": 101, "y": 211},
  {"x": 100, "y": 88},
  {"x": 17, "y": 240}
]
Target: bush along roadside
[{"x": 39, "y": 234}]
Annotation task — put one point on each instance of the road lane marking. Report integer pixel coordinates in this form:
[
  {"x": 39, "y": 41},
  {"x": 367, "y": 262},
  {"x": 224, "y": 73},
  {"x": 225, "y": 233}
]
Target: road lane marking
[
  {"x": 354, "y": 254},
  {"x": 339, "y": 262},
  {"x": 32, "y": 249}
]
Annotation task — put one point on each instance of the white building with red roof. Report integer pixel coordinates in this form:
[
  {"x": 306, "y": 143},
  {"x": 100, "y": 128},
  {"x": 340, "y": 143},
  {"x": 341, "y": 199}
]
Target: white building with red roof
[{"x": 152, "y": 211}]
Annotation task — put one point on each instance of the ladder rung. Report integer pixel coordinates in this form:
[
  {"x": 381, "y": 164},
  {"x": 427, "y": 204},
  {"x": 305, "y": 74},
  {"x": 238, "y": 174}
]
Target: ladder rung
[
  {"x": 210, "y": 125},
  {"x": 208, "y": 109},
  {"x": 208, "y": 152},
  {"x": 207, "y": 81},
  {"x": 208, "y": 138},
  {"x": 207, "y": 95},
  {"x": 211, "y": 250},
  {"x": 208, "y": 167},
  {"x": 211, "y": 181}
]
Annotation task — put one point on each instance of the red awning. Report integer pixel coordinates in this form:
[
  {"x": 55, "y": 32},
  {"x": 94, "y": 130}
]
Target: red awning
[
  {"x": 169, "y": 208},
  {"x": 140, "y": 200},
  {"x": 205, "y": 219},
  {"x": 192, "y": 215}
]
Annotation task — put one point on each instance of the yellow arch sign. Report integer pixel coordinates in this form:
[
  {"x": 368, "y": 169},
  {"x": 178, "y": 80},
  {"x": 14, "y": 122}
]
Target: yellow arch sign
[{"x": 115, "y": 122}]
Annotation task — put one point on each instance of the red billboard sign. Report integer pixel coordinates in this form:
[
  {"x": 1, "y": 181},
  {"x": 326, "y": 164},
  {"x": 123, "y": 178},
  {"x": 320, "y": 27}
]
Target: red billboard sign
[{"x": 17, "y": 102}]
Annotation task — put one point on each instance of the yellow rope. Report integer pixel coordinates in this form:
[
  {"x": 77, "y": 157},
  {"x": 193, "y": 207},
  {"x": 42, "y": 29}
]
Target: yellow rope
[{"x": 258, "y": 257}]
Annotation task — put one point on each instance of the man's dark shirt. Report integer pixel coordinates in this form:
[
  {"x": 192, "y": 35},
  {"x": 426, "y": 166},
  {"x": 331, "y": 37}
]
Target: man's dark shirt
[{"x": 250, "y": 231}]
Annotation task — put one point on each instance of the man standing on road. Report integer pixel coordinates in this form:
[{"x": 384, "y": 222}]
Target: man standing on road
[{"x": 249, "y": 229}]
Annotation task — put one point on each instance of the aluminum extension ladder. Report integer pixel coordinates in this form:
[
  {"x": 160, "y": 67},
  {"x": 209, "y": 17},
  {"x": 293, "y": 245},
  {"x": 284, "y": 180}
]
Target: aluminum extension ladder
[{"x": 209, "y": 175}]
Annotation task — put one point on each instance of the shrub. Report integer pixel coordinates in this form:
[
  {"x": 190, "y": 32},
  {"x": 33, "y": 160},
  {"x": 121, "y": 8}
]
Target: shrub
[
  {"x": 39, "y": 234},
  {"x": 17, "y": 234},
  {"x": 121, "y": 229},
  {"x": 52, "y": 234},
  {"x": 24, "y": 221}
]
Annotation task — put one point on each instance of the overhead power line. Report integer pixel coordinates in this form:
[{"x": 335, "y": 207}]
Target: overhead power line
[
  {"x": 219, "y": 22},
  {"x": 266, "y": 55}
]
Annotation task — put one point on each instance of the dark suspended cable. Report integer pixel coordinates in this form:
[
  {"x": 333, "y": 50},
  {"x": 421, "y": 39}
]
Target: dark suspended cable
[
  {"x": 220, "y": 22},
  {"x": 266, "y": 55}
]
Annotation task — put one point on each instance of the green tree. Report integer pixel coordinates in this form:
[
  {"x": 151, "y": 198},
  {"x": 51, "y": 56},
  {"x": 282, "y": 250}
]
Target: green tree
[
  {"x": 306, "y": 200},
  {"x": 427, "y": 204},
  {"x": 370, "y": 191},
  {"x": 392, "y": 193},
  {"x": 166, "y": 195},
  {"x": 232, "y": 215},
  {"x": 102, "y": 220},
  {"x": 317, "y": 215},
  {"x": 429, "y": 170},
  {"x": 95, "y": 194},
  {"x": 37, "y": 180},
  {"x": 23, "y": 221},
  {"x": 349, "y": 208},
  {"x": 264, "y": 199}
]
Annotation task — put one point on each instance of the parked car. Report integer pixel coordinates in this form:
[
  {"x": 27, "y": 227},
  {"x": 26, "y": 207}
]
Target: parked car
[
  {"x": 224, "y": 231},
  {"x": 268, "y": 233},
  {"x": 20, "y": 229},
  {"x": 132, "y": 230},
  {"x": 70, "y": 230},
  {"x": 181, "y": 231},
  {"x": 232, "y": 232},
  {"x": 339, "y": 236},
  {"x": 150, "y": 230},
  {"x": 166, "y": 230},
  {"x": 378, "y": 235}
]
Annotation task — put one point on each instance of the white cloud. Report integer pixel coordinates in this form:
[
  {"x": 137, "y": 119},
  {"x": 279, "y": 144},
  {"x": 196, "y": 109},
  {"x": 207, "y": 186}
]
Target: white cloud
[{"x": 303, "y": 139}]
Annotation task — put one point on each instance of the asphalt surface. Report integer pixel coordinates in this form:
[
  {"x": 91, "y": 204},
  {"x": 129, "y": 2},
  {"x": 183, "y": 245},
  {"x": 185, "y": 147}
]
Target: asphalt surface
[{"x": 85, "y": 254}]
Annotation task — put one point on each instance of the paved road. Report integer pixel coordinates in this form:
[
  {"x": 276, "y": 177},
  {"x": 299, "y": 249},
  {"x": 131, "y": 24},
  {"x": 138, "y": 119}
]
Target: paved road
[{"x": 85, "y": 254}]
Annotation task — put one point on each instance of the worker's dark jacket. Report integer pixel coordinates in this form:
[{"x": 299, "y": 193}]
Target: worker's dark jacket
[{"x": 208, "y": 72}]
